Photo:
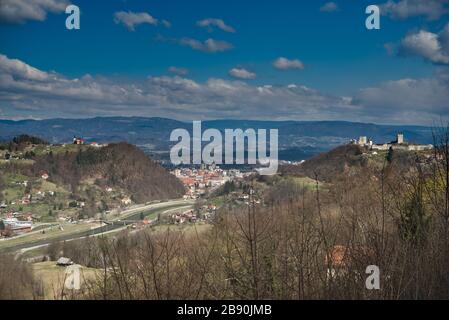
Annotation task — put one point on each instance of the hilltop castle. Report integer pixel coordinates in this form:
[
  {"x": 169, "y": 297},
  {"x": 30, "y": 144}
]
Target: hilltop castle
[{"x": 398, "y": 144}]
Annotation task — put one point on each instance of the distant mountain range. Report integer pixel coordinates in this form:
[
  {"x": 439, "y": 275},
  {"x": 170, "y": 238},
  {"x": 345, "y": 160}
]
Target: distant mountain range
[{"x": 297, "y": 139}]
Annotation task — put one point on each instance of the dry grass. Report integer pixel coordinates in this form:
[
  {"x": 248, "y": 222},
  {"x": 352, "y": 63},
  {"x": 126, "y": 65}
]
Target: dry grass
[{"x": 53, "y": 277}]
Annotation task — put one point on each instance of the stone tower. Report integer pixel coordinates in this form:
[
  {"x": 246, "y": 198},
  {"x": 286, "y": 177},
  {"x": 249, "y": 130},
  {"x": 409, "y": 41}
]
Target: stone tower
[
  {"x": 400, "y": 138},
  {"x": 363, "y": 140}
]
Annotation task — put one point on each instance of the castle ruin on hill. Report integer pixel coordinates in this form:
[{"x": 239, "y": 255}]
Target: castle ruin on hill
[{"x": 398, "y": 144}]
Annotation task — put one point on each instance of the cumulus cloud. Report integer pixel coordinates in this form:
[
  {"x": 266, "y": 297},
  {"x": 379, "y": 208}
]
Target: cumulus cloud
[
  {"x": 178, "y": 71},
  {"x": 212, "y": 22},
  {"x": 431, "y": 9},
  {"x": 21, "y": 70},
  {"x": 19, "y": 11},
  {"x": 241, "y": 73},
  {"x": 210, "y": 45},
  {"x": 131, "y": 19},
  {"x": 26, "y": 91},
  {"x": 286, "y": 64},
  {"x": 329, "y": 7},
  {"x": 409, "y": 100},
  {"x": 430, "y": 46}
]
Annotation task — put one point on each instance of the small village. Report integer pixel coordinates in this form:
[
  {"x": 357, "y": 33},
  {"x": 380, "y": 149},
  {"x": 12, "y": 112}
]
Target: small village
[
  {"x": 19, "y": 215},
  {"x": 34, "y": 202},
  {"x": 206, "y": 178}
]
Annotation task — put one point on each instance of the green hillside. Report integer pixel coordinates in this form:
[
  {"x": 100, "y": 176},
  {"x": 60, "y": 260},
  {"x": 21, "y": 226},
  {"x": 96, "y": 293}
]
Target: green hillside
[{"x": 70, "y": 181}]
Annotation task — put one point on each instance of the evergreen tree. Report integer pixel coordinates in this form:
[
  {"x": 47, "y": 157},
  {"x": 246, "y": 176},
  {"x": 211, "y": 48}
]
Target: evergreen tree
[{"x": 390, "y": 155}]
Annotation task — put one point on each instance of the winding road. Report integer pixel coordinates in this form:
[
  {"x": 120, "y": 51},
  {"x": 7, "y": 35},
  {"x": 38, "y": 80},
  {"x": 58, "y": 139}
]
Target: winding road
[{"x": 127, "y": 217}]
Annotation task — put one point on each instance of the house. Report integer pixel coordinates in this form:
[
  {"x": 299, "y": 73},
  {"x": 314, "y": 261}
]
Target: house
[
  {"x": 64, "y": 262},
  {"x": 126, "y": 201},
  {"x": 340, "y": 260},
  {"x": 187, "y": 181},
  {"x": 40, "y": 195},
  {"x": 336, "y": 260},
  {"x": 29, "y": 216},
  {"x": 78, "y": 141},
  {"x": 26, "y": 199},
  {"x": 45, "y": 175}
]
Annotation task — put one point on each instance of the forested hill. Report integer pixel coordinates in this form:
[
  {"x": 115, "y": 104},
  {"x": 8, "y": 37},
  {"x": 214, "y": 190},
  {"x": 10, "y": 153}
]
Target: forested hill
[
  {"x": 328, "y": 165},
  {"x": 350, "y": 159},
  {"x": 116, "y": 165},
  {"x": 77, "y": 181}
]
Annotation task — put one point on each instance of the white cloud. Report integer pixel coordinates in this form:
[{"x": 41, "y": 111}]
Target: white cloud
[
  {"x": 47, "y": 95},
  {"x": 409, "y": 100},
  {"x": 178, "y": 71},
  {"x": 286, "y": 64},
  {"x": 431, "y": 46},
  {"x": 210, "y": 45},
  {"x": 242, "y": 73},
  {"x": 210, "y": 22},
  {"x": 19, "y": 11},
  {"x": 21, "y": 70},
  {"x": 132, "y": 19},
  {"x": 329, "y": 7},
  {"x": 431, "y": 9},
  {"x": 26, "y": 91}
]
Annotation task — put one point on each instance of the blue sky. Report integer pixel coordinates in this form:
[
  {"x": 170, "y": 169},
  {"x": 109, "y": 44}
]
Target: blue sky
[{"x": 344, "y": 70}]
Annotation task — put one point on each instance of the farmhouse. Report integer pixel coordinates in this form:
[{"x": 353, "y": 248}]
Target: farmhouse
[{"x": 64, "y": 262}]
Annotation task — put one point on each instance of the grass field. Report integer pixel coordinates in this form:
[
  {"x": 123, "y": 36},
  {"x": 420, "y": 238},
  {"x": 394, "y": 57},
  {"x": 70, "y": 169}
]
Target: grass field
[
  {"x": 14, "y": 192},
  {"x": 307, "y": 182},
  {"x": 53, "y": 277},
  {"x": 188, "y": 229},
  {"x": 21, "y": 162}
]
